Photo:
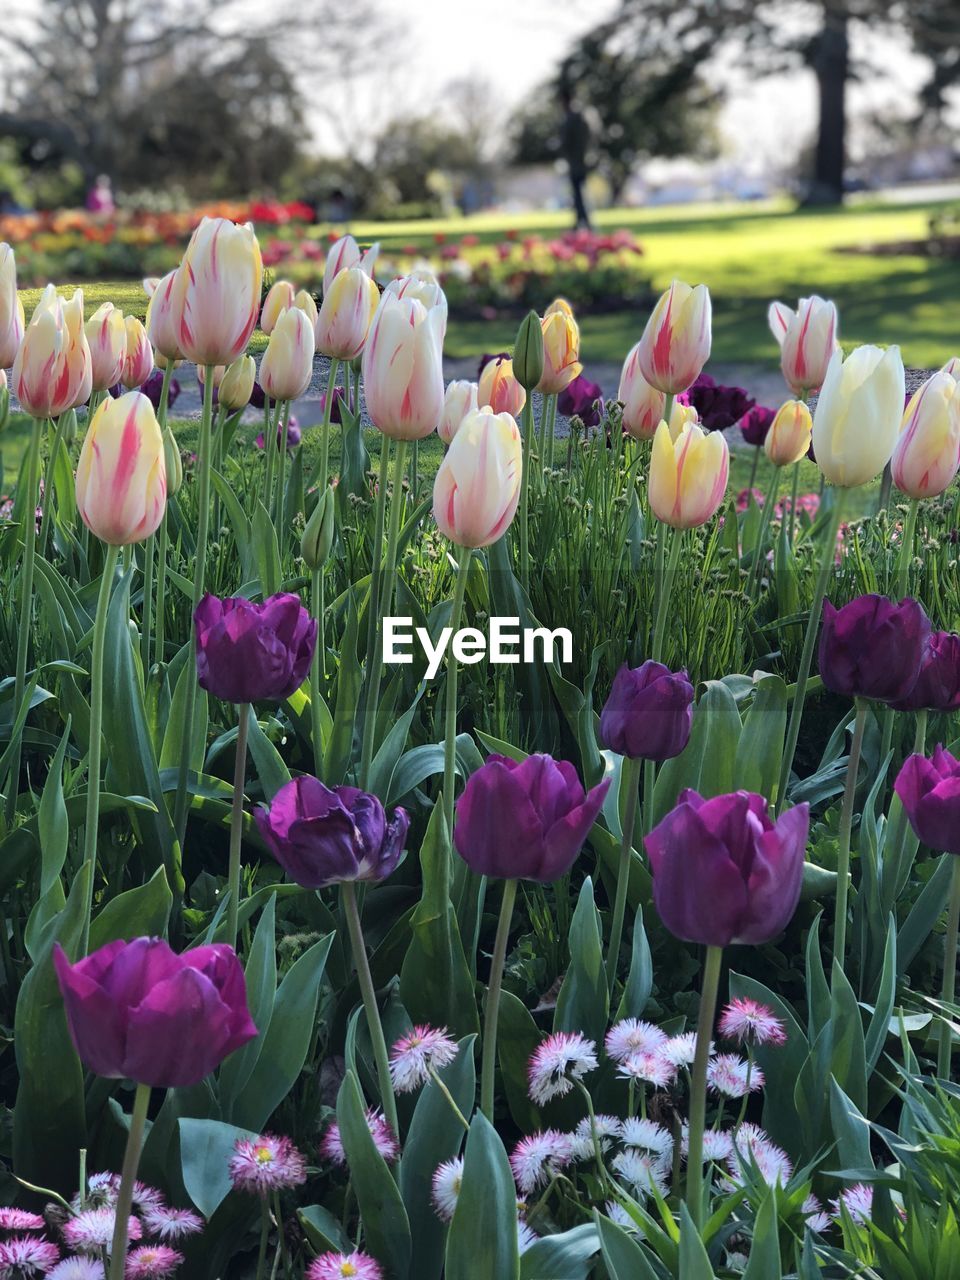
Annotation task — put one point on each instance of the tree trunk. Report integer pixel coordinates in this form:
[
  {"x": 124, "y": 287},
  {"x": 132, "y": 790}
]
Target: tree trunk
[{"x": 830, "y": 61}]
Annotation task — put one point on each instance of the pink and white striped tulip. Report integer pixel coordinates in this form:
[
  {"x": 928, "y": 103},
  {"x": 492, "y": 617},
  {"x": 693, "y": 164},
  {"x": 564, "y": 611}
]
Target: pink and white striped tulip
[
  {"x": 561, "y": 348},
  {"x": 216, "y": 294},
  {"x": 107, "y": 340},
  {"x": 788, "y": 439},
  {"x": 676, "y": 341},
  {"x": 53, "y": 371},
  {"x": 138, "y": 360},
  {"x": 477, "y": 488},
  {"x": 926, "y": 456},
  {"x": 807, "y": 338},
  {"x": 459, "y": 400},
  {"x": 688, "y": 475},
  {"x": 344, "y": 254},
  {"x": 287, "y": 364},
  {"x": 499, "y": 389},
  {"x": 121, "y": 475},
  {"x": 422, "y": 285},
  {"x": 346, "y": 314},
  {"x": 11, "y": 308},
  {"x": 403, "y": 368},
  {"x": 162, "y": 321},
  {"x": 643, "y": 405},
  {"x": 279, "y": 299}
]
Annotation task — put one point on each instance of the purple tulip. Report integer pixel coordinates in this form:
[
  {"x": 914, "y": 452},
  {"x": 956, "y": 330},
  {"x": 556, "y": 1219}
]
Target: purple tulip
[
  {"x": 322, "y": 836},
  {"x": 938, "y": 684},
  {"x": 873, "y": 648},
  {"x": 583, "y": 398},
  {"x": 249, "y": 652},
  {"x": 339, "y": 404},
  {"x": 717, "y": 406},
  {"x": 929, "y": 791},
  {"x": 153, "y": 388},
  {"x": 755, "y": 424},
  {"x": 491, "y": 355},
  {"x": 723, "y": 871},
  {"x": 257, "y": 396},
  {"x": 526, "y": 820},
  {"x": 294, "y": 434},
  {"x": 138, "y": 1011},
  {"x": 648, "y": 713}
]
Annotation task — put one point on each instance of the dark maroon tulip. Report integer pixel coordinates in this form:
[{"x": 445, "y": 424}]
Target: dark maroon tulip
[
  {"x": 257, "y": 396},
  {"x": 491, "y": 355},
  {"x": 929, "y": 791},
  {"x": 723, "y": 871},
  {"x": 322, "y": 836},
  {"x": 938, "y": 684},
  {"x": 583, "y": 398},
  {"x": 249, "y": 652},
  {"x": 294, "y": 434},
  {"x": 138, "y": 1011},
  {"x": 526, "y": 820},
  {"x": 873, "y": 648},
  {"x": 717, "y": 406},
  {"x": 755, "y": 425},
  {"x": 649, "y": 712},
  {"x": 153, "y": 387}
]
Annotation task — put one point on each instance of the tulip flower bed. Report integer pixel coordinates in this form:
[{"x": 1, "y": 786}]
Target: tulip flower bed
[{"x": 543, "y": 869}]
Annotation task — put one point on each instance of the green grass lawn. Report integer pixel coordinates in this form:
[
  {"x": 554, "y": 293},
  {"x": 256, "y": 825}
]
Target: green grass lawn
[{"x": 748, "y": 255}]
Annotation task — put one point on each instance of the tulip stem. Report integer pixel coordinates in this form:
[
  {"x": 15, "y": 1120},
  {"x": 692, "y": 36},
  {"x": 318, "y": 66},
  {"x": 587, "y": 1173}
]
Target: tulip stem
[
  {"x": 374, "y": 1025},
  {"x": 267, "y": 454},
  {"x": 327, "y": 413},
  {"x": 753, "y": 470},
  {"x": 264, "y": 1236},
  {"x": 550, "y": 428},
  {"x": 281, "y": 503},
  {"x": 526, "y": 421},
  {"x": 629, "y": 779},
  {"x": 26, "y": 604},
  {"x": 450, "y": 708},
  {"x": 318, "y": 672},
  {"x": 494, "y": 988},
  {"x": 131, "y": 1159},
  {"x": 146, "y": 625},
  {"x": 846, "y": 826},
  {"x": 92, "y": 818},
  {"x": 48, "y": 481},
  {"x": 698, "y": 1082},
  {"x": 203, "y": 524},
  {"x": 373, "y": 612},
  {"x": 236, "y": 824},
  {"x": 809, "y": 640},
  {"x": 902, "y": 580},
  {"x": 769, "y": 502},
  {"x": 162, "y": 551},
  {"x": 949, "y": 973},
  {"x": 665, "y": 588},
  {"x": 414, "y": 470}
]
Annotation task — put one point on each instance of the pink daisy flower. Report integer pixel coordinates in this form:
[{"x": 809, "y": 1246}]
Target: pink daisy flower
[
  {"x": 92, "y": 1230},
  {"x": 22, "y": 1257},
  {"x": 418, "y": 1054},
  {"x": 647, "y": 1135},
  {"x": 858, "y": 1202},
  {"x": 168, "y": 1223},
  {"x": 814, "y": 1215},
  {"x": 20, "y": 1220},
  {"x": 680, "y": 1050},
  {"x": 752, "y": 1146},
  {"x": 384, "y": 1139},
  {"x": 733, "y": 1076},
  {"x": 77, "y": 1268},
  {"x": 557, "y": 1063},
  {"x": 267, "y": 1163},
  {"x": 152, "y": 1262},
  {"x": 536, "y": 1159},
  {"x": 630, "y": 1036},
  {"x": 647, "y": 1068},
  {"x": 750, "y": 1022},
  {"x": 144, "y": 1197},
  {"x": 336, "y": 1266},
  {"x": 643, "y": 1170},
  {"x": 447, "y": 1180}
]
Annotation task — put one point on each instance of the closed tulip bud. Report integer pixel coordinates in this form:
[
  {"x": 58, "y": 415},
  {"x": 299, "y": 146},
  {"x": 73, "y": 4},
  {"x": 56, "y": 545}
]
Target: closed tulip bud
[
  {"x": 676, "y": 342},
  {"x": 162, "y": 320},
  {"x": 138, "y": 360},
  {"x": 172, "y": 462},
  {"x": 346, "y": 314},
  {"x": 528, "y": 352},
  {"x": 724, "y": 872},
  {"x": 807, "y": 338},
  {"x": 929, "y": 791},
  {"x": 403, "y": 368},
  {"x": 344, "y": 254},
  {"x": 68, "y": 426},
  {"x": 938, "y": 684},
  {"x": 561, "y": 352},
  {"x": 107, "y": 340},
  {"x": 236, "y": 385},
  {"x": 248, "y": 652},
  {"x": 688, "y": 475},
  {"x": 305, "y": 302},
  {"x": 53, "y": 371},
  {"x": 858, "y": 414},
  {"x": 122, "y": 475},
  {"x": 279, "y": 299},
  {"x": 927, "y": 453},
  {"x": 873, "y": 648},
  {"x": 11, "y": 308},
  {"x": 643, "y": 405},
  {"x": 649, "y": 712},
  {"x": 788, "y": 439},
  {"x": 317, "y": 541},
  {"x": 423, "y": 286},
  {"x": 287, "y": 364},
  {"x": 477, "y": 486},
  {"x": 137, "y": 1010},
  {"x": 216, "y": 294},
  {"x": 526, "y": 820},
  {"x": 459, "y": 401},
  {"x": 499, "y": 389}
]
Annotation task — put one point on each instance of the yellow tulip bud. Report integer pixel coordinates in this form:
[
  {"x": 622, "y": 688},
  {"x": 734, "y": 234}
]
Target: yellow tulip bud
[
  {"x": 676, "y": 341},
  {"x": 477, "y": 487},
  {"x": 927, "y": 454},
  {"x": 789, "y": 436},
  {"x": 53, "y": 370},
  {"x": 121, "y": 474},
  {"x": 172, "y": 462},
  {"x": 346, "y": 314},
  {"x": 216, "y": 294},
  {"x": 499, "y": 389},
  {"x": 561, "y": 351},
  {"x": 858, "y": 414},
  {"x": 287, "y": 365},
  {"x": 138, "y": 360},
  {"x": 561, "y": 306},
  {"x": 107, "y": 339},
  {"x": 236, "y": 385},
  {"x": 688, "y": 476},
  {"x": 279, "y": 299}
]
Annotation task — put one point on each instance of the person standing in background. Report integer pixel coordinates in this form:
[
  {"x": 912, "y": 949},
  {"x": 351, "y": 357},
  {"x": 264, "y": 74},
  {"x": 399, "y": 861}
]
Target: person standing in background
[{"x": 575, "y": 140}]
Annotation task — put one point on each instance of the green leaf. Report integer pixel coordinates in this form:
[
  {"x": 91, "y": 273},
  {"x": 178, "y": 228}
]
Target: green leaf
[
  {"x": 517, "y": 1037},
  {"x": 483, "y": 1234},
  {"x": 622, "y": 1256},
  {"x": 583, "y": 1003},
  {"x": 268, "y": 762},
  {"x": 694, "y": 1262},
  {"x": 138, "y": 913},
  {"x": 261, "y": 977},
  {"x": 765, "y": 1248},
  {"x": 339, "y": 750},
  {"x": 266, "y": 551},
  {"x": 386, "y": 1226},
  {"x": 851, "y": 1130},
  {"x": 566, "y": 1256},
  {"x": 387, "y": 759},
  {"x": 886, "y": 995},
  {"x": 640, "y": 979},
  {"x": 760, "y": 749},
  {"x": 52, "y": 821},
  {"x": 184, "y": 672},
  {"x": 323, "y": 1230},
  {"x": 848, "y": 1055},
  {"x": 205, "y": 1150},
  {"x": 707, "y": 763}
]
